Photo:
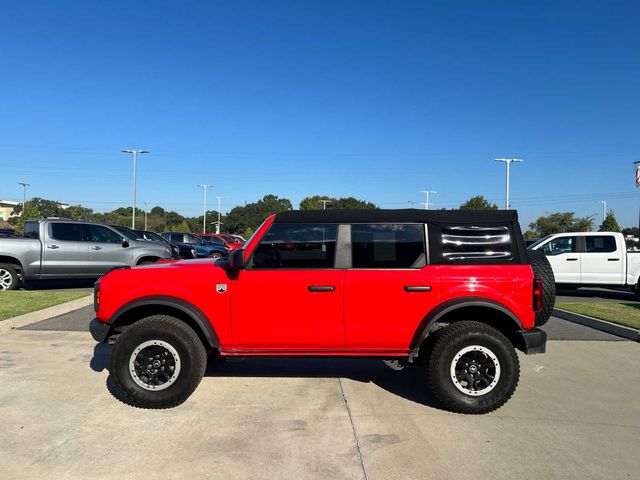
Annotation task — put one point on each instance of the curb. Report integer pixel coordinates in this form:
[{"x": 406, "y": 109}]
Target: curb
[
  {"x": 602, "y": 325},
  {"x": 44, "y": 314}
]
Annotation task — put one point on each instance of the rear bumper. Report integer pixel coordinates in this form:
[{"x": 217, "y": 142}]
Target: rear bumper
[
  {"x": 531, "y": 341},
  {"x": 99, "y": 330}
]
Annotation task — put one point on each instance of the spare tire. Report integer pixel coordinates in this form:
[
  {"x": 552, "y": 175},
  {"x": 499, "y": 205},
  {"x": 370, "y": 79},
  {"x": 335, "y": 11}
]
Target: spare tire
[{"x": 542, "y": 271}]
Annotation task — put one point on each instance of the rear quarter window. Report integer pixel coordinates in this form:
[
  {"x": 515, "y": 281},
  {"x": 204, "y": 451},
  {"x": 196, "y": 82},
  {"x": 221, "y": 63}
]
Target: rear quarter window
[
  {"x": 31, "y": 230},
  {"x": 472, "y": 244}
]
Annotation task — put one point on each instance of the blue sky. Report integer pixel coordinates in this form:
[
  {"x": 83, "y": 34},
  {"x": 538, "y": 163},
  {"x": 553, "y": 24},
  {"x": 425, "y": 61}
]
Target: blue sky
[{"x": 374, "y": 99}]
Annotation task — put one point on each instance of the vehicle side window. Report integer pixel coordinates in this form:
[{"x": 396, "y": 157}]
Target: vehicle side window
[
  {"x": 297, "y": 245},
  {"x": 560, "y": 245},
  {"x": 387, "y": 245},
  {"x": 177, "y": 237},
  {"x": 31, "y": 230},
  {"x": 192, "y": 240},
  {"x": 600, "y": 243},
  {"x": 98, "y": 234},
  {"x": 70, "y": 232},
  {"x": 475, "y": 243}
]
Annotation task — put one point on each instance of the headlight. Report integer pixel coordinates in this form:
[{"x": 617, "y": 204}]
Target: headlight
[{"x": 167, "y": 250}]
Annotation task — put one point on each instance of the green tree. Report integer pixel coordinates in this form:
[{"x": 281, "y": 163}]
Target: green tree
[
  {"x": 315, "y": 203},
  {"x": 561, "y": 222},
  {"x": 31, "y": 212},
  {"x": 78, "y": 212},
  {"x": 47, "y": 208},
  {"x": 478, "y": 203},
  {"x": 253, "y": 214},
  {"x": 247, "y": 233},
  {"x": 610, "y": 223}
]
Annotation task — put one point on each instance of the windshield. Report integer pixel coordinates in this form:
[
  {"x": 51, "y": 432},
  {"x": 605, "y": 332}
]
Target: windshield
[
  {"x": 543, "y": 239},
  {"x": 154, "y": 237},
  {"x": 127, "y": 233}
]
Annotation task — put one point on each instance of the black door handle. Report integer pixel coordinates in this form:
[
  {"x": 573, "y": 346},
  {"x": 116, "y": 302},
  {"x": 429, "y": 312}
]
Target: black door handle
[
  {"x": 424, "y": 288},
  {"x": 572, "y": 259},
  {"x": 613, "y": 259},
  {"x": 321, "y": 288}
]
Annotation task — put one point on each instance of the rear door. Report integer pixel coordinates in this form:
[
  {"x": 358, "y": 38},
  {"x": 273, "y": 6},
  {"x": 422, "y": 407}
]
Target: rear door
[
  {"x": 290, "y": 296},
  {"x": 389, "y": 287},
  {"x": 603, "y": 260},
  {"x": 564, "y": 257},
  {"x": 64, "y": 252},
  {"x": 106, "y": 249}
]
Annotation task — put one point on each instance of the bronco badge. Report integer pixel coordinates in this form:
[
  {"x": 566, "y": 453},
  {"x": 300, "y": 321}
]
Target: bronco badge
[{"x": 221, "y": 287}]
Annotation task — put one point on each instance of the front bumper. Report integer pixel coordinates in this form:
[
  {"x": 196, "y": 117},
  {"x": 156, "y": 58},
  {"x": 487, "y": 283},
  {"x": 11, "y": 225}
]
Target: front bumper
[
  {"x": 99, "y": 330},
  {"x": 531, "y": 341}
]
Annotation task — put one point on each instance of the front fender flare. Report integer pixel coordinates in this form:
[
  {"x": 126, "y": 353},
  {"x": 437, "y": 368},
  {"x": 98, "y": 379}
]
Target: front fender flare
[
  {"x": 185, "y": 307},
  {"x": 429, "y": 321}
]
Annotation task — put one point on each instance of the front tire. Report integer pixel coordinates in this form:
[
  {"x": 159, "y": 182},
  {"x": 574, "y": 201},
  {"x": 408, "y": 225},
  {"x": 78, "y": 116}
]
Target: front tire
[
  {"x": 8, "y": 277},
  {"x": 216, "y": 255},
  {"x": 157, "y": 363},
  {"x": 472, "y": 368}
]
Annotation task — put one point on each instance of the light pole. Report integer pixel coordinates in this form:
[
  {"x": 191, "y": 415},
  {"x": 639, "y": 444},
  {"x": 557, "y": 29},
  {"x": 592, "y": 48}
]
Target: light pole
[
  {"x": 426, "y": 203},
  {"x": 204, "y": 213},
  {"x": 145, "y": 215},
  {"x": 135, "y": 168},
  {"x": 508, "y": 162},
  {"x": 604, "y": 209},
  {"x": 24, "y": 194},
  {"x": 218, "y": 224},
  {"x": 324, "y": 203}
]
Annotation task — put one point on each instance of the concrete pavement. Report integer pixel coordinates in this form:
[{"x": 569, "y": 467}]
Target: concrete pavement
[{"x": 574, "y": 415}]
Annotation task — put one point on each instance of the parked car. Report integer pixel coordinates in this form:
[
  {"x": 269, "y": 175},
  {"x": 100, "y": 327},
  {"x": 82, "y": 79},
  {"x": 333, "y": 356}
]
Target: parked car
[
  {"x": 180, "y": 250},
  {"x": 228, "y": 242},
  {"x": 136, "y": 235},
  {"x": 591, "y": 259},
  {"x": 203, "y": 248},
  {"x": 454, "y": 293},
  {"x": 60, "y": 248},
  {"x": 238, "y": 238}
]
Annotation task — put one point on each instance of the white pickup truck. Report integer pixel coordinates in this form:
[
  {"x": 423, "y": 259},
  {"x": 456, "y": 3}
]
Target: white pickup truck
[{"x": 590, "y": 259}]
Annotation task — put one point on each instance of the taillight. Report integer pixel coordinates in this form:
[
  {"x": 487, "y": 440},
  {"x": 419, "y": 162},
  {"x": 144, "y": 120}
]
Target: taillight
[
  {"x": 537, "y": 294},
  {"x": 96, "y": 296}
]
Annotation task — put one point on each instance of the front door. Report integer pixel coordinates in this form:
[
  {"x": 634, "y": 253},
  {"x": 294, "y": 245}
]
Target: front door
[
  {"x": 290, "y": 297},
  {"x": 106, "y": 249},
  {"x": 389, "y": 288},
  {"x": 563, "y": 255}
]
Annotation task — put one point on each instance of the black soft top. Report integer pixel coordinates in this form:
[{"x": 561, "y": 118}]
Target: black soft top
[{"x": 407, "y": 215}]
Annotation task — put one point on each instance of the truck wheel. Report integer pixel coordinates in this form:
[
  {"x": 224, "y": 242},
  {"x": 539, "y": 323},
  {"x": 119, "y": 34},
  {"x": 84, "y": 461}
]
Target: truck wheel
[
  {"x": 215, "y": 255},
  {"x": 157, "y": 363},
  {"x": 8, "y": 277},
  {"x": 472, "y": 368},
  {"x": 542, "y": 270}
]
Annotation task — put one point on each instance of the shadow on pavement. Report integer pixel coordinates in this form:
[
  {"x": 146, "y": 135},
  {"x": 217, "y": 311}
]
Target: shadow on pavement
[
  {"x": 595, "y": 293},
  {"x": 408, "y": 383},
  {"x": 58, "y": 284}
]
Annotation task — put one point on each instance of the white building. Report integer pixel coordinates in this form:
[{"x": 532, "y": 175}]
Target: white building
[{"x": 6, "y": 208}]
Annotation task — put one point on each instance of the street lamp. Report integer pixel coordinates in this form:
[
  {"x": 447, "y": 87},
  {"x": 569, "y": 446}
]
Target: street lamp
[
  {"x": 24, "y": 194},
  {"x": 604, "y": 209},
  {"x": 204, "y": 217},
  {"x": 324, "y": 203},
  {"x": 426, "y": 203},
  {"x": 218, "y": 224},
  {"x": 508, "y": 162},
  {"x": 135, "y": 167},
  {"x": 145, "y": 215}
]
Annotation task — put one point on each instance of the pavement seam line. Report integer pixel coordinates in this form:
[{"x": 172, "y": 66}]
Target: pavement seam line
[{"x": 353, "y": 430}]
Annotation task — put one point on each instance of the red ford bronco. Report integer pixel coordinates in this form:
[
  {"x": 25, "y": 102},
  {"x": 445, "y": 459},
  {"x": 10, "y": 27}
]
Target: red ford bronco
[{"x": 453, "y": 292}]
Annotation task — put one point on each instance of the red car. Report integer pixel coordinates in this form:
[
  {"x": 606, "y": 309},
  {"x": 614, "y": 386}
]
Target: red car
[
  {"x": 227, "y": 240},
  {"x": 454, "y": 293}
]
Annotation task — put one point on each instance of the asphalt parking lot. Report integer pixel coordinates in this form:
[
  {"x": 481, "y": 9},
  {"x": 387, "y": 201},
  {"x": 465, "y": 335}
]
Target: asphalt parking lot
[{"x": 574, "y": 415}]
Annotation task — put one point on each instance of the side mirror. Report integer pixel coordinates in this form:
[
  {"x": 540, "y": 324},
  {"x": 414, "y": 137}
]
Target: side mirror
[
  {"x": 233, "y": 261},
  {"x": 125, "y": 243}
]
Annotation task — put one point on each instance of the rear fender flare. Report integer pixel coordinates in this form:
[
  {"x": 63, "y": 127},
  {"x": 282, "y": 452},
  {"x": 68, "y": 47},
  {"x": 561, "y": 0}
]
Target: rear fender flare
[{"x": 429, "y": 322}]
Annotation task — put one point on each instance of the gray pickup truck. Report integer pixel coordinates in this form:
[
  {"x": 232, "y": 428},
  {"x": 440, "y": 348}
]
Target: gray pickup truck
[{"x": 61, "y": 248}]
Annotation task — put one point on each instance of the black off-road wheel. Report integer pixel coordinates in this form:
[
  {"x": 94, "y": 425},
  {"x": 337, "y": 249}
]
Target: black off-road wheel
[
  {"x": 472, "y": 368},
  {"x": 8, "y": 277},
  {"x": 543, "y": 271},
  {"x": 157, "y": 363}
]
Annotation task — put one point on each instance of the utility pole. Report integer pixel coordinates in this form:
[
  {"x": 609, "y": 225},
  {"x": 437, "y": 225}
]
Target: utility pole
[
  {"x": 135, "y": 168},
  {"x": 24, "y": 194},
  {"x": 508, "y": 162},
  {"x": 145, "y": 215},
  {"x": 218, "y": 224},
  {"x": 604, "y": 209},
  {"x": 324, "y": 203},
  {"x": 636, "y": 165},
  {"x": 426, "y": 203},
  {"x": 204, "y": 217}
]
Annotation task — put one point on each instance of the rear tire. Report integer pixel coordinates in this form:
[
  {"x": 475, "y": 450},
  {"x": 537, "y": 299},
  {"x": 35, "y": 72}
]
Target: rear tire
[
  {"x": 8, "y": 277},
  {"x": 216, "y": 255},
  {"x": 472, "y": 368},
  {"x": 543, "y": 271},
  {"x": 157, "y": 363}
]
